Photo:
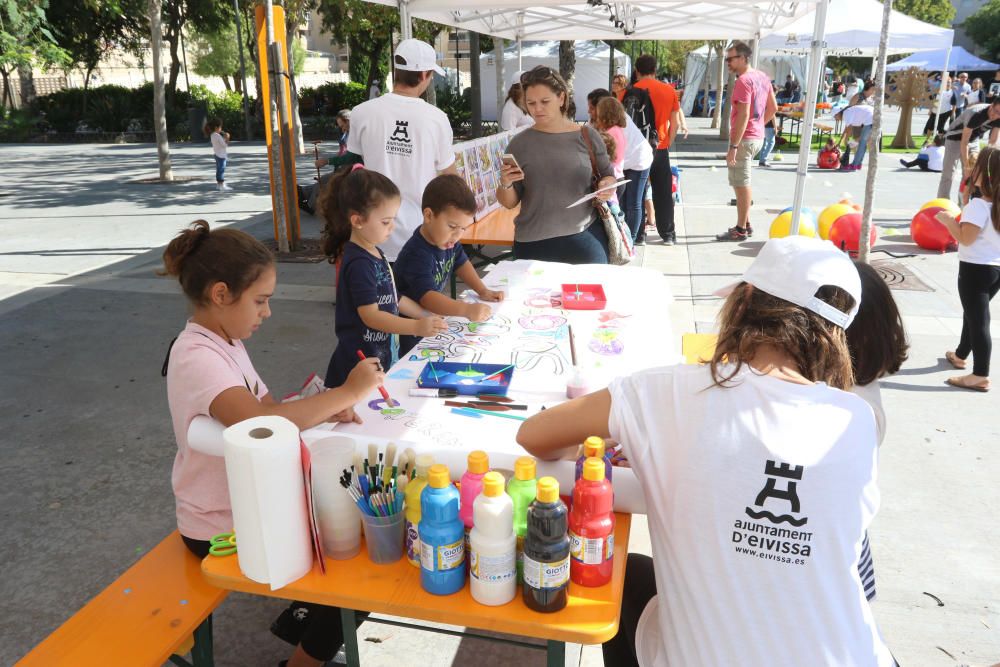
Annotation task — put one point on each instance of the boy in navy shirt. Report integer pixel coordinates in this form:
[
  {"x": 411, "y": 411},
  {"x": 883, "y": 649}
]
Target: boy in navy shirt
[{"x": 425, "y": 264}]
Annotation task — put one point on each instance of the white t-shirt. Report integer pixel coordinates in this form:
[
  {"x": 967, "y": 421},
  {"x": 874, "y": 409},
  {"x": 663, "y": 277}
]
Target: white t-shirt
[
  {"x": 409, "y": 141},
  {"x": 638, "y": 152},
  {"x": 511, "y": 117},
  {"x": 986, "y": 248},
  {"x": 860, "y": 114},
  {"x": 935, "y": 157},
  {"x": 758, "y": 496},
  {"x": 944, "y": 104},
  {"x": 961, "y": 90},
  {"x": 872, "y": 395},
  {"x": 219, "y": 145}
]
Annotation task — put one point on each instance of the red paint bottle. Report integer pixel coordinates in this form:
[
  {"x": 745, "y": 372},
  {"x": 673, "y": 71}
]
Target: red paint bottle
[{"x": 592, "y": 527}]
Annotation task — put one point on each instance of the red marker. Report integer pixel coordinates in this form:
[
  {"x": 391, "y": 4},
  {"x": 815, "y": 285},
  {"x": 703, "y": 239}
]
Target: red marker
[{"x": 388, "y": 401}]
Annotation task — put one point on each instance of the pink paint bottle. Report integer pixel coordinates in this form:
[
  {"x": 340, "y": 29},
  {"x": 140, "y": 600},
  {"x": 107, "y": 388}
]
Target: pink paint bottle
[
  {"x": 472, "y": 486},
  {"x": 576, "y": 385}
]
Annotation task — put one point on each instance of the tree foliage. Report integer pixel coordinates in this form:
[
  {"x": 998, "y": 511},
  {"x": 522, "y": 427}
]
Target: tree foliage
[
  {"x": 25, "y": 36},
  {"x": 984, "y": 28},
  {"x": 207, "y": 16},
  {"x": 90, "y": 29},
  {"x": 936, "y": 12}
]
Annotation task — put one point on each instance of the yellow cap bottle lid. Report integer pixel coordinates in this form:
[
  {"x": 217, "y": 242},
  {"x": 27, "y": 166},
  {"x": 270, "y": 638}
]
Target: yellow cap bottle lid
[
  {"x": 479, "y": 462},
  {"x": 548, "y": 490},
  {"x": 424, "y": 463},
  {"x": 524, "y": 468},
  {"x": 593, "y": 446},
  {"x": 437, "y": 476},
  {"x": 593, "y": 469},
  {"x": 493, "y": 484}
]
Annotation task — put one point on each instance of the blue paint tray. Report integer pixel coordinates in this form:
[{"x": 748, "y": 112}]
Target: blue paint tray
[{"x": 465, "y": 378}]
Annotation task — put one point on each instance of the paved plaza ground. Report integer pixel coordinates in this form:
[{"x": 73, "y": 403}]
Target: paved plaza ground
[{"x": 87, "y": 447}]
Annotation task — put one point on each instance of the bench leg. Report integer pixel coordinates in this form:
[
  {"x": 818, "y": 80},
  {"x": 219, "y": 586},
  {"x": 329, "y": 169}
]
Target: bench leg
[
  {"x": 555, "y": 654},
  {"x": 201, "y": 652},
  {"x": 348, "y": 620}
]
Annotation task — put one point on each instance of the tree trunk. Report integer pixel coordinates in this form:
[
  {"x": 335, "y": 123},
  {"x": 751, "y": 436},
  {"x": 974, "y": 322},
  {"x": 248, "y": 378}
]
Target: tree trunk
[
  {"x": 27, "y": 79},
  {"x": 567, "y": 63},
  {"x": 293, "y": 87},
  {"x": 159, "y": 96},
  {"x": 727, "y": 107},
  {"x": 7, "y": 101},
  {"x": 175, "y": 65},
  {"x": 904, "y": 132},
  {"x": 373, "y": 57},
  {"x": 237, "y": 82},
  {"x": 708, "y": 84},
  {"x": 717, "y": 114}
]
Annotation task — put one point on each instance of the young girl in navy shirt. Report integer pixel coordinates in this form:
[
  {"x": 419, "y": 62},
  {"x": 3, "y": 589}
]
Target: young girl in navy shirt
[{"x": 360, "y": 208}]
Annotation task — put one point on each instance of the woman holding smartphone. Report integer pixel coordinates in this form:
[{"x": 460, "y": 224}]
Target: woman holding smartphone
[{"x": 552, "y": 169}]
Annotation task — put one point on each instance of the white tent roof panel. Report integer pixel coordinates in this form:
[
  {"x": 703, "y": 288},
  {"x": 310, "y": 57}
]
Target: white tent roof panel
[
  {"x": 636, "y": 19},
  {"x": 934, "y": 61}
]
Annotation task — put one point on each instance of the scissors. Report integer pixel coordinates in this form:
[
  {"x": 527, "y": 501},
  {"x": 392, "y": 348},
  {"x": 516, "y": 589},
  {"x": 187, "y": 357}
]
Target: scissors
[{"x": 223, "y": 544}]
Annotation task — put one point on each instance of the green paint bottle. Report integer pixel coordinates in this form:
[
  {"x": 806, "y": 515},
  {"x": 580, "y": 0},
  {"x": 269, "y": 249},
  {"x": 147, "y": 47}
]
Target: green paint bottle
[{"x": 522, "y": 488}]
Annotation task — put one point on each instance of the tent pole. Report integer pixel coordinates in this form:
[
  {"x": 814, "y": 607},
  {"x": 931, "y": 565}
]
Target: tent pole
[
  {"x": 941, "y": 92},
  {"x": 477, "y": 102},
  {"x": 755, "y": 45},
  {"x": 611, "y": 65},
  {"x": 501, "y": 79},
  {"x": 815, "y": 63},
  {"x": 406, "y": 27},
  {"x": 875, "y": 139},
  {"x": 520, "y": 34}
]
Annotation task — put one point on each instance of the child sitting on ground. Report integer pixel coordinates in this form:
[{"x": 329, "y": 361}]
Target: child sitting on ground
[
  {"x": 360, "y": 207},
  {"x": 930, "y": 158},
  {"x": 229, "y": 277},
  {"x": 427, "y": 261}
]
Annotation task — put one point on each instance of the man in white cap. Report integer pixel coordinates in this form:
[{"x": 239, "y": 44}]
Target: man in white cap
[{"x": 403, "y": 137}]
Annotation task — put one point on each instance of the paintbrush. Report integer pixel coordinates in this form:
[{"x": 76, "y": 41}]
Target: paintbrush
[
  {"x": 411, "y": 462},
  {"x": 572, "y": 344},
  {"x": 500, "y": 372},
  {"x": 387, "y": 471}
]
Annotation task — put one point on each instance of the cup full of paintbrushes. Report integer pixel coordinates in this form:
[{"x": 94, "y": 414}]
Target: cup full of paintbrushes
[{"x": 378, "y": 492}]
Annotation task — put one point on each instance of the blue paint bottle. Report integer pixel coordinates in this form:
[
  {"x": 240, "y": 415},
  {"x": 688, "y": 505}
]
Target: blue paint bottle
[{"x": 442, "y": 535}]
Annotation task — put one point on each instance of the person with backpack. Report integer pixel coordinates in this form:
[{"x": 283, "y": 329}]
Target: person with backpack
[
  {"x": 837, "y": 90},
  {"x": 655, "y": 109}
]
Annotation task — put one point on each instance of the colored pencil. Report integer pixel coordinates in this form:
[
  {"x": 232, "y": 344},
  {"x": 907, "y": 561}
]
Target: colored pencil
[
  {"x": 572, "y": 344},
  {"x": 475, "y": 411}
]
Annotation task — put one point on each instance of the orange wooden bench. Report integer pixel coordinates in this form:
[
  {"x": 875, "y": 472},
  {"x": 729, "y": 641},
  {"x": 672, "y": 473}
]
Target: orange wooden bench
[{"x": 145, "y": 618}]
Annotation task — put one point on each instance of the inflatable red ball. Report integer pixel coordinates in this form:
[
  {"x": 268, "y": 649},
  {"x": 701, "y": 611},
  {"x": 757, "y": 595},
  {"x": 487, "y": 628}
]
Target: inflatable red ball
[
  {"x": 829, "y": 159},
  {"x": 930, "y": 234},
  {"x": 845, "y": 233}
]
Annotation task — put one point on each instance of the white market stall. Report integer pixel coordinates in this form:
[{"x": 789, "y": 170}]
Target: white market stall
[
  {"x": 939, "y": 60},
  {"x": 592, "y": 69}
]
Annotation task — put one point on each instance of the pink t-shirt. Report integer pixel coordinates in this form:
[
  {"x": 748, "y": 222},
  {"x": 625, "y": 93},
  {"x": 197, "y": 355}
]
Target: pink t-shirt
[
  {"x": 202, "y": 366},
  {"x": 753, "y": 88},
  {"x": 618, "y": 159}
]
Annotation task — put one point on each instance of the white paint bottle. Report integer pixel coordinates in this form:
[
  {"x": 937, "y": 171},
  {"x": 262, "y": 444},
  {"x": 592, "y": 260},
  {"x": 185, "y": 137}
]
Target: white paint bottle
[
  {"x": 576, "y": 385},
  {"x": 492, "y": 545}
]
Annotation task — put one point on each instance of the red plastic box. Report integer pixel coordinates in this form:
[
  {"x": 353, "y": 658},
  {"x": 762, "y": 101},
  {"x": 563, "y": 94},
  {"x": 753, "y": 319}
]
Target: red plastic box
[{"x": 583, "y": 297}]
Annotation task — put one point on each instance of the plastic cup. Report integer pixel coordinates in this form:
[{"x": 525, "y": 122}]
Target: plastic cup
[{"x": 384, "y": 537}]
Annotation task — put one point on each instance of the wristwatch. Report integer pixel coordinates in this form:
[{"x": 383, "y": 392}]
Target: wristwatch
[
  {"x": 506, "y": 187},
  {"x": 734, "y": 146}
]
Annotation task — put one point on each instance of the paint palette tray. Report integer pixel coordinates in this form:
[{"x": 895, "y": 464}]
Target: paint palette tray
[
  {"x": 465, "y": 378},
  {"x": 583, "y": 297}
]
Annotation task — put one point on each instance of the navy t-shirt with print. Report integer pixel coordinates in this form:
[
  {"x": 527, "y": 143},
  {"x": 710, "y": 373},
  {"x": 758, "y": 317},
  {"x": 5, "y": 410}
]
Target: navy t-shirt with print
[
  {"x": 364, "y": 280},
  {"x": 422, "y": 267}
]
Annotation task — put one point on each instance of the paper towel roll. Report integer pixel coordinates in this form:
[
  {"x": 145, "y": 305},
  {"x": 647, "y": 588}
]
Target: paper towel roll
[
  {"x": 267, "y": 493},
  {"x": 205, "y": 436},
  {"x": 338, "y": 516}
]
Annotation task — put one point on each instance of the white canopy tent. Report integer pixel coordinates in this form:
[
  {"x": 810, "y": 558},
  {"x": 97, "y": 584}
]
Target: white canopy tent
[
  {"x": 939, "y": 60},
  {"x": 592, "y": 69}
]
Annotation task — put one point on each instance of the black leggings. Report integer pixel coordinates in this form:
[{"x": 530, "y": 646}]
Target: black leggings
[
  {"x": 977, "y": 285},
  {"x": 661, "y": 180},
  {"x": 639, "y": 589},
  {"x": 323, "y": 634}
]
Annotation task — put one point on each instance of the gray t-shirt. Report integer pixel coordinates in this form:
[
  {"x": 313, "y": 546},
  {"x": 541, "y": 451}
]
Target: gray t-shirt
[{"x": 557, "y": 172}]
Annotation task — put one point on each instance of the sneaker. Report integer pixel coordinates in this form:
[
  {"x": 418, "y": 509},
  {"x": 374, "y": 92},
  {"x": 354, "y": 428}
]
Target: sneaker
[
  {"x": 764, "y": 164},
  {"x": 904, "y": 163},
  {"x": 640, "y": 242},
  {"x": 222, "y": 187},
  {"x": 749, "y": 229},
  {"x": 733, "y": 234},
  {"x": 670, "y": 239}
]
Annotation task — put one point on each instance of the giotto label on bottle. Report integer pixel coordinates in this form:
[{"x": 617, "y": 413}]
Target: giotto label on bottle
[
  {"x": 444, "y": 557},
  {"x": 591, "y": 550},
  {"x": 492, "y": 569},
  {"x": 546, "y": 575}
]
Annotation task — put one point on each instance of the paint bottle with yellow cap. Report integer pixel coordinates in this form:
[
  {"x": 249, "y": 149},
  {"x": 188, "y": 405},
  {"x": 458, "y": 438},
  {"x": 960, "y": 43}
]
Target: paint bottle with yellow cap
[
  {"x": 546, "y": 550},
  {"x": 412, "y": 495},
  {"x": 522, "y": 488},
  {"x": 492, "y": 574},
  {"x": 592, "y": 527},
  {"x": 442, "y": 535},
  {"x": 472, "y": 486},
  {"x": 594, "y": 446}
]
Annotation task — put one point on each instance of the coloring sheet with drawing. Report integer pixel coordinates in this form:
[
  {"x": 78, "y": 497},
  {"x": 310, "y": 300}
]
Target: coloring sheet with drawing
[{"x": 529, "y": 331}]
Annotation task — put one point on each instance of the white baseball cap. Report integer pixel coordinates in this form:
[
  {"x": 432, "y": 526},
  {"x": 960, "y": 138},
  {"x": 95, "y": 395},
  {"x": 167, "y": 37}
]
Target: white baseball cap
[
  {"x": 417, "y": 56},
  {"x": 795, "y": 267}
]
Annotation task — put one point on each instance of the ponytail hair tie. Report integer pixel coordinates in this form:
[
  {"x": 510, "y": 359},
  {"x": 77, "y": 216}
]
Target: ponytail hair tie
[{"x": 357, "y": 165}]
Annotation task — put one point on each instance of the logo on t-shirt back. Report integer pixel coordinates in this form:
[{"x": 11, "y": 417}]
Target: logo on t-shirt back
[
  {"x": 399, "y": 142},
  {"x": 764, "y": 535}
]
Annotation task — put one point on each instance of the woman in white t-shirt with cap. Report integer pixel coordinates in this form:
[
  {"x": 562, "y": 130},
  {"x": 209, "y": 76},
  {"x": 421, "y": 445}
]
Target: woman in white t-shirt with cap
[
  {"x": 513, "y": 115},
  {"x": 758, "y": 472}
]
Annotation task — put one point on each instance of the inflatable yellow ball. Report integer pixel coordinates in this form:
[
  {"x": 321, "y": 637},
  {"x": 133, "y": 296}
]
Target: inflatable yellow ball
[
  {"x": 944, "y": 203},
  {"x": 782, "y": 226},
  {"x": 829, "y": 216}
]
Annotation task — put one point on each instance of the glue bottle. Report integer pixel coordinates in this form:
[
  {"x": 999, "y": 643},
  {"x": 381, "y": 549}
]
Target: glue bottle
[
  {"x": 442, "y": 536},
  {"x": 472, "y": 486},
  {"x": 522, "y": 488},
  {"x": 546, "y": 550},
  {"x": 594, "y": 446},
  {"x": 592, "y": 527},
  {"x": 492, "y": 574},
  {"x": 412, "y": 495}
]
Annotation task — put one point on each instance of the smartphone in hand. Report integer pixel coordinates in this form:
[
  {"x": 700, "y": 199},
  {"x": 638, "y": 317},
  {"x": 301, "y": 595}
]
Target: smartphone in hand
[{"x": 510, "y": 160}]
